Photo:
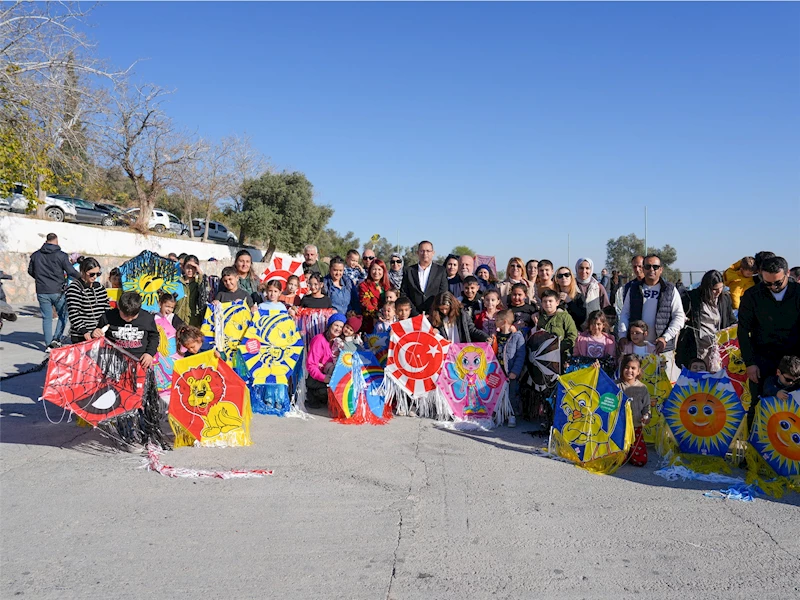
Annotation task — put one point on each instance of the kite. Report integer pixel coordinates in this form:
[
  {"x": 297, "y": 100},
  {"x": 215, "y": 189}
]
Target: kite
[
  {"x": 489, "y": 261},
  {"x": 654, "y": 377},
  {"x": 267, "y": 359},
  {"x": 354, "y": 392},
  {"x": 281, "y": 268},
  {"x": 167, "y": 354},
  {"x": 113, "y": 296},
  {"x": 607, "y": 363},
  {"x": 703, "y": 414},
  {"x": 210, "y": 404},
  {"x": 733, "y": 363},
  {"x": 773, "y": 455},
  {"x": 416, "y": 355},
  {"x": 149, "y": 274},
  {"x": 224, "y": 326},
  {"x": 106, "y": 387},
  {"x": 312, "y": 321},
  {"x": 473, "y": 383},
  {"x": 543, "y": 362},
  {"x": 593, "y": 424},
  {"x": 378, "y": 344}
]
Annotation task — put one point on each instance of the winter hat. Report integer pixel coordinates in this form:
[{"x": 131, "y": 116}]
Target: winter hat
[
  {"x": 337, "y": 317},
  {"x": 355, "y": 323}
]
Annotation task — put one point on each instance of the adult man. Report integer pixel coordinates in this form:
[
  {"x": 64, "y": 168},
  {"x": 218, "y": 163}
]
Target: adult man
[
  {"x": 769, "y": 325},
  {"x": 50, "y": 267},
  {"x": 312, "y": 263},
  {"x": 605, "y": 280},
  {"x": 423, "y": 281},
  {"x": 368, "y": 258},
  {"x": 657, "y": 303},
  {"x": 466, "y": 266}
]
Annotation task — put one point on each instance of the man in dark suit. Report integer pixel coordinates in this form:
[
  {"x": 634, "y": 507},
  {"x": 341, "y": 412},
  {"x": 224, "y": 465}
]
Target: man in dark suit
[{"x": 422, "y": 282}]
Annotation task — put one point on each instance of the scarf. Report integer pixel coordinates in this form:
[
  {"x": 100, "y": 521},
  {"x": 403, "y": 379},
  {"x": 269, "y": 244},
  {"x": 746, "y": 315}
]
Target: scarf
[
  {"x": 590, "y": 288},
  {"x": 396, "y": 277}
]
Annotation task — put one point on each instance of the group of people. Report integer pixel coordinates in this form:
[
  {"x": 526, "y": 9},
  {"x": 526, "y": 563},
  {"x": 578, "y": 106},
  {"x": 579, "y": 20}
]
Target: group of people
[{"x": 595, "y": 318}]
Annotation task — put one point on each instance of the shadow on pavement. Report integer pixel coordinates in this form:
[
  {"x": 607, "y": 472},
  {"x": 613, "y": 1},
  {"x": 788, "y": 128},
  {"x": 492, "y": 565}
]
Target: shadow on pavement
[{"x": 26, "y": 339}]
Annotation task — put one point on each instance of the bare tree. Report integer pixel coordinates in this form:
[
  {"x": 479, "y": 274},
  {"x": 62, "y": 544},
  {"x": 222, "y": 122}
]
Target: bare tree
[
  {"x": 144, "y": 142},
  {"x": 217, "y": 176},
  {"x": 248, "y": 163}
]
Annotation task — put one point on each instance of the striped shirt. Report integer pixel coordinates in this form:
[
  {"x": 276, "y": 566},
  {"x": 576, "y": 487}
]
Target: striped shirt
[{"x": 85, "y": 304}]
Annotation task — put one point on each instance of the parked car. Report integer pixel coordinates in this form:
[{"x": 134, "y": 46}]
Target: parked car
[
  {"x": 89, "y": 212},
  {"x": 120, "y": 216},
  {"x": 55, "y": 209},
  {"x": 159, "y": 219},
  {"x": 216, "y": 231},
  {"x": 177, "y": 226}
]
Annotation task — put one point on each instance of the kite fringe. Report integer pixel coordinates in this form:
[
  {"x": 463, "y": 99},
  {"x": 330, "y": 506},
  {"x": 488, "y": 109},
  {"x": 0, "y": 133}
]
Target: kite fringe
[
  {"x": 298, "y": 409},
  {"x": 761, "y": 474},
  {"x": 152, "y": 462},
  {"x": 503, "y": 409},
  {"x": 466, "y": 425}
]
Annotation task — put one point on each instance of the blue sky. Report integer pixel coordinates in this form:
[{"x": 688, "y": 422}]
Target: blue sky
[{"x": 502, "y": 126}]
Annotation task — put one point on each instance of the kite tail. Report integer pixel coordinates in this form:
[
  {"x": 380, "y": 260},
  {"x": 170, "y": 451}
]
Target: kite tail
[
  {"x": 503, "y": 410},
  {"x": 393, "y": 392},
  {"x": 426, "y": 405},
  {"x": 443, "y": 410},
  {"x": 153, "y": 463},
  {"x": 152, "y": 413},
  {"x": 298, "y": 409}
]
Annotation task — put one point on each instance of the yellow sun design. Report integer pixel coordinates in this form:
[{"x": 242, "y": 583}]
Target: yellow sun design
[
  {"x": 702, "y": 416},
  {"x": 776, "y": 434}
]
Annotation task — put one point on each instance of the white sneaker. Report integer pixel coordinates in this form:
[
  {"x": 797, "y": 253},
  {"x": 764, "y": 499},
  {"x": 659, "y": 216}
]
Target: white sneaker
[{"x": 512, "y": 421}]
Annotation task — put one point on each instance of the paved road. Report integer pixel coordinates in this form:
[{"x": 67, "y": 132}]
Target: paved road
[{"x": 402, "y": 511}]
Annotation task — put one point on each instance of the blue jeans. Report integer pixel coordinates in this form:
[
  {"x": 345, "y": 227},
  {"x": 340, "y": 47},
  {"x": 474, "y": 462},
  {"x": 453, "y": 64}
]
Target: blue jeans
[
  {"x": 513, "y": 394},
  {"x": 46, "y": 304}
]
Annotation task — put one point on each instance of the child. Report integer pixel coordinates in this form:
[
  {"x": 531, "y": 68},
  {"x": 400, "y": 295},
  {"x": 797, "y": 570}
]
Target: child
[
  {"x": 353, "y": 270},
  {"x": 392, "y": 295},
  {"x": 402, "y": 308},
  {"x": 114, "y": 286},
  {"x": 595, "y": 342},
  {"x": 485, "y": 321},
  {"x": 786, "y": 381},
  {"x": 130, "y": 328},
  {"x": 630, "y": 369},
  {"x": 511, "y": 355},
  {"x": 229, "y": 290},
  {"x": 637, "y": 340},
  {"x": 350, "y": 330},
  {"x": 290, "y": 297},
  {"x": 166, "y": 305},
  {"x": 386, "y": 318},
  {"x": 739, "y": 278},
  {"x": 523, "y": 311},
  {"x": 471, "y": 297},
  {"x": 555, "y": 320},
  {"x": 697, "y": 365},
  {"x": 189, "y": 340},
  {"x": 271, "y": 291}
]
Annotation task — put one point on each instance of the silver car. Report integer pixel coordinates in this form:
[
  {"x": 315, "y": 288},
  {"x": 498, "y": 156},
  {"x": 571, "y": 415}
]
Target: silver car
[{"x": 55, "y": 209}]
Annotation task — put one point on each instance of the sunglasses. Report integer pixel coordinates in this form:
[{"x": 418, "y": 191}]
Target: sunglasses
[
  {"x": 651, "y": 267},
  {"x": 515, "y": 267},
  {"x": 563, "y": 275},
  {"x": 369, "y": 258},
  {"x": 789, "y": 379},
  {"x": 95, "y": 274},
  {"x": 397, "y": 262},
  {"x": 775, "y": 284}
]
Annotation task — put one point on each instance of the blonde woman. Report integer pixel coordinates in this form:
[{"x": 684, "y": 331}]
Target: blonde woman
[
  {"x": 515, "y": 273},
  {"x": 571, "y": 298}
]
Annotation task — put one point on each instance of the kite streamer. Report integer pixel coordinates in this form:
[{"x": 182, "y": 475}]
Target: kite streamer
[
  {"x": 733, "y": 363},
  {"x": 473, "y": 384},
  {"x": 312, "y": 321},
  {"x": 416, "y": 355},
  {"x": 355, "y": 392},
  {"x": 149, "y": 274},
  {"x": 267, "y": 359},
  {"x": 281, "y": 268},
  {"x": 224, "y": 326},
  {"x": 153, "y": 463},
  {"x": 593, "y": 423},
  {"x": 210, "y": 404}
]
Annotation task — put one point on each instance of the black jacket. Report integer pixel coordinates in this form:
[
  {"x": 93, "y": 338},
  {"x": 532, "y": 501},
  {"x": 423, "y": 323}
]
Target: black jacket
[
  {"x": 50, "y": 266},
  {"x": 686, "y": 349},
  {"x": 467, "y": 332},
  {"x": 410, "y": 288},
  {"x": 768, "y": 329}
]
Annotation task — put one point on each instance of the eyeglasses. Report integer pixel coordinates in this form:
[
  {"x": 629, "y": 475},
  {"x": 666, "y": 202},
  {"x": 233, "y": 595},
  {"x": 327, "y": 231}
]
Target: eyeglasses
[
  {"x": 397, "y": 262},
  {"x": 95, "y": 274},
  {"x": 369, "y": 258},
  {"x": 651, "y": 267},
  {"x": 563, "y": 275},
  {"x": 774, "y": 284},
  {"x": 515, "y": 267}
]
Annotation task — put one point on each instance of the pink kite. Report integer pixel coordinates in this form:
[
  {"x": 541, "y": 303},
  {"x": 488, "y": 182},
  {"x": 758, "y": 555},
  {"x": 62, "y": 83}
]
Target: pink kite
[
  {"x": 472, "y": 381},
  {"x": 481, "y": 259},
  {"x": 281, "y": 269}
]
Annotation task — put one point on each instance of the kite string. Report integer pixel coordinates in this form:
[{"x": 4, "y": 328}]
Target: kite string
[{"x": 64, "y": 411}]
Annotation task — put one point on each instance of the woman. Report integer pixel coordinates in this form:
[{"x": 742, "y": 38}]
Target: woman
[
  {"x": 544, "y": 277},
  {"x": 531, "y": 270},
  {"x": 453, "y": 323},
  {"x": 315, "y": 298},
  {"x": 595, "y": 296},
  {"x": 486, "y": 278},
  {"x": 396, "y": 271},
  {"x": 372, "y": 294},
  {"x": 191, "y": 308},
  {"x": 515, "y": 271},
  {"x": 87, "y": 300},
  {"x": 340, "y": 289},
  {"x": 709, "y": 309},
  {"x": 321, "y": 361},
  {"x": 571, "y": 298},
  {"x": 454, "y": 285},
  {"x": 248, "y": 280},
  {"x": 615, "y": 285}
]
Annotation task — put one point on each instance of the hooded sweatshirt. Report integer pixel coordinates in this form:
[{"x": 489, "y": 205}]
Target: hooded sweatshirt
[
  {"x": 737, "y": 283},
  {"x": 50, "y": 267}
]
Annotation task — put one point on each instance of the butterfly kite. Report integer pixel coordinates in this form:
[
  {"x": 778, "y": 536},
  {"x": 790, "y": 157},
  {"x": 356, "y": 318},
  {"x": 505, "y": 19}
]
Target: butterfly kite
[
  {"x": 224, "y": 326},
  {"x": 416, "y": 355},
  {"x": 210, "y": 404},
  {"x": 592, "y": 425},
  {"x": 281, "y": 268},
  {"x": 472, "y": 381},
  {"x": 149, "y": 274},
  {"x": 268, "y": 359},
  {"x": 354, "y": 394}
]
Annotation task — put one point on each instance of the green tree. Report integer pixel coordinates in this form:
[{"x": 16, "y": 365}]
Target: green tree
[
  {"x": 621, "y": 250},
  {"x": 382, "y": 247},
  {"x": 458, "y": 251},
  {"x": 279, "y": 210},
  {"x": 331, "y": 243}
]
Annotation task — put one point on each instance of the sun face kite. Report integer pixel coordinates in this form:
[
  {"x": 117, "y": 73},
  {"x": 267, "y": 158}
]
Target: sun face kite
[
  {"x": 148, "y": 274},
  {"x": 776, "y": 434}
]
